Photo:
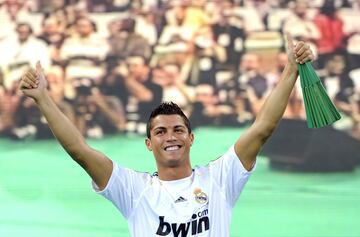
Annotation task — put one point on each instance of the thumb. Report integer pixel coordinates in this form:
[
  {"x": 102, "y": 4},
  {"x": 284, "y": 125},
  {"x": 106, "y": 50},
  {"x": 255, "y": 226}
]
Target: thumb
[
  {"x": 290, "y": 42},
  {"x": 39, "y": 69}
]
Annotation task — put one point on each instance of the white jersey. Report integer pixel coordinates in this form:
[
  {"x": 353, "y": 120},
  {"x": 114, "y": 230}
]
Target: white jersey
[{"x": 199, "y": 205}]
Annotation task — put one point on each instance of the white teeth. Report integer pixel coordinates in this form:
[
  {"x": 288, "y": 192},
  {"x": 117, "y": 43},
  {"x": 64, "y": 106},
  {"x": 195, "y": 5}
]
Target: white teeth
[{"x": 171, "y": 148}]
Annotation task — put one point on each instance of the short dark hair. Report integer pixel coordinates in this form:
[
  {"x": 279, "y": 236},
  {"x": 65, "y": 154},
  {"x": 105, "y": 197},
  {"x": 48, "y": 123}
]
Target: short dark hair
[
  {"x": 92, "y": 23},
  {"x": 21, "y": 24},
  {"x": 128, "y": 25},
  {"x": 167, "y": 108}
]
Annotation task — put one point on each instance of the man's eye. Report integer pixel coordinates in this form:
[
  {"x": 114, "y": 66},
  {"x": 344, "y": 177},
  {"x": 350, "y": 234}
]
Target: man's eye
[
  {"x": 160, "y": 132},
  {"x": 178, "y": 130}
]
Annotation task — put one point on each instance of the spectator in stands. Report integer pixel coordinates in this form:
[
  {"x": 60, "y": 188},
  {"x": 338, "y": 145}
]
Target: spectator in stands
[
  {"x": 355, "y": 76},
  {"x": 113, "y": 83},
  {"x": 262, "y": 8},
  {"x": 241, "y": 114},
  {"x": 146, "y": 25},
  {"x": 77, "y": 11},
  {"x": 11, "y": 13},
  {"x": 252, "y": 20},
  {"x": 84, "y": 52},
  {"x": 353, "y": 38},
  {"x": 196, "y": 15},
  {"x": 253, "y": 80},
  {"x": 143, "y": 93},
  {"x": 207, "y": 109},
  {"x": 64, "y": 11},
  {"x": 229, "y": 33},
  {"x": 168, "y": 75},
  {"x": 175, "y": 36},
  {"x": 338, "y": 84},
  {"x": 356, "y": 116},
  {"x": 9, "y": 102},
  {"x": 53, "y": 35},
  {"x": 20, "y": 53},
  {"x": 204, "y": 109},
  {"x": 174, "y": 27},
  {"x": 332, "y": 36},
  {"x": 26, "y": 121},
  {"x": 298, "y": 23},
  {"x": 126, "y": 42},
  {"x": 340, "y": 88},
  {"x": 97, "y": 114},
  {"x": 208, "y": 54},
  {"x": 232, "y": 102}
]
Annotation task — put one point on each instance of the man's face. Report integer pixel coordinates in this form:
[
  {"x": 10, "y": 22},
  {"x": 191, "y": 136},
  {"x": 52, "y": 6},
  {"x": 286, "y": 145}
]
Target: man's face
[
  {"x": 300, "y": 9},
  {"x": 51, "y": 26},
  {"x": 84, "y": 27},
  {"x": 336, "y": 65},
  {"x": 250, "y": 62},
  {"x": 23, "y": 32},
  {"x": 137, "y": 67},
  {"x": 166, "y": 75},
  {"x": 170, "y": 141}
]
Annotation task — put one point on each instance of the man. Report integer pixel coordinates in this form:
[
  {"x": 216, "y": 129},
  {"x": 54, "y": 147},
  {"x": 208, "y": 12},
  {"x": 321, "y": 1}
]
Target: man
[
  {"x": 177, "y": 200},
  {"x": 84, "y": 51},
  {"x": 141, "y": 92},
  {"x": 19, "y": 54},
  {"x": 251, "y": 78},
  {"x": 124, "y": 41}
]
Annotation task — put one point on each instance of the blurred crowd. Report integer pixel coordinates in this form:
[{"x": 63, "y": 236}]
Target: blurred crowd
[{"x": 109, "y": 62}]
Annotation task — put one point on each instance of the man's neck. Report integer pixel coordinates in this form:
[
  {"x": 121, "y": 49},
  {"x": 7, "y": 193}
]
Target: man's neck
[
  {"x": 169, "y": 174},
  {"x": 23, "y": 41}
]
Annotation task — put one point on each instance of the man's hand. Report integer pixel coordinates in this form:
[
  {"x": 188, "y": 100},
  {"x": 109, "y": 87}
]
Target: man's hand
[
  {"x": 33, "y": 82},
  {"x": 299, "y": 53}
]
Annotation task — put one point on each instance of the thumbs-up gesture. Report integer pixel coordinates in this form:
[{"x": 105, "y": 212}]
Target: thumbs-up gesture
[
  {"x": 299, "y": 53},
  {"x": 33, "y": 82}
]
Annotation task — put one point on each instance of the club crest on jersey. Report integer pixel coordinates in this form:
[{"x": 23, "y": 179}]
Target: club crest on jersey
[{"x": 200, "y": 196}]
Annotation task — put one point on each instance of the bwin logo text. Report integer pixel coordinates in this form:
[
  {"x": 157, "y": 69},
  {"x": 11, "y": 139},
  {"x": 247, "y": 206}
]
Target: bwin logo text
[{"x": 195, "y": 226}]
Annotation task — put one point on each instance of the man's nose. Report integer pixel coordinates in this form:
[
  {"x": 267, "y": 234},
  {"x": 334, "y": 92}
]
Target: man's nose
[{"x": 171, "y": 136}]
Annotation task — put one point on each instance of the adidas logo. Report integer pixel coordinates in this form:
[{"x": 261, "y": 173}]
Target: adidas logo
[{"x": 180, "y": 199}]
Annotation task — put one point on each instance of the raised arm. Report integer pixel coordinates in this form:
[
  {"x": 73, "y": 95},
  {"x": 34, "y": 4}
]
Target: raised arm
[
  {"x": 250, "y": 143},
  {"x": 98, "y": 166}
]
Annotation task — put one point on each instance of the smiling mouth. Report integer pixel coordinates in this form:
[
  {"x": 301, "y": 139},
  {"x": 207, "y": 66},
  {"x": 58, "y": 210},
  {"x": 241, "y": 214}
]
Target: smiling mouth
[{"x": 172, "y": 148}]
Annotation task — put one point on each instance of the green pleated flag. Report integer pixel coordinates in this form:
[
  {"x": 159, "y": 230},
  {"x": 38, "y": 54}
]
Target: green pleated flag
[{"x": 320, "y": 111}]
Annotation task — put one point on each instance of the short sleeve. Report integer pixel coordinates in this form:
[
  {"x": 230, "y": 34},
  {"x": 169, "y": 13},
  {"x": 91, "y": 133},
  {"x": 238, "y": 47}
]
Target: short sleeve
[
  {"x": 230, "y": 175},
  {"x": 124, "y": 188}
]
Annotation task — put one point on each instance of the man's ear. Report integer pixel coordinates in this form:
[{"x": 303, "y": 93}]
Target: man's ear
[
  {"x": 148, "y": 144},
  {"x": 192, "y": 138}
]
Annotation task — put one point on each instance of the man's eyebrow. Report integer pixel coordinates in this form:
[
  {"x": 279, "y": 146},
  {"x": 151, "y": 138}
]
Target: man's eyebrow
[
  {"x": 179, "y": 126},
  {"x": 159, "y": 128},
  {"x": 162, "y": 127}
]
